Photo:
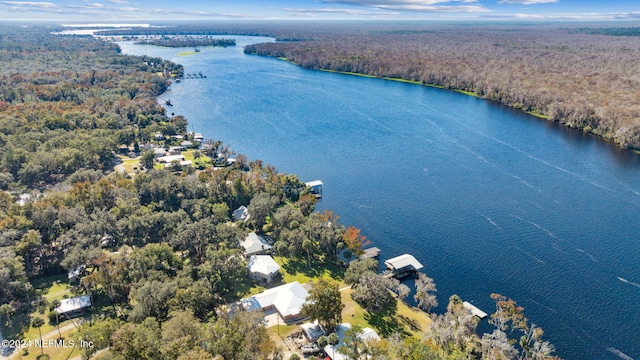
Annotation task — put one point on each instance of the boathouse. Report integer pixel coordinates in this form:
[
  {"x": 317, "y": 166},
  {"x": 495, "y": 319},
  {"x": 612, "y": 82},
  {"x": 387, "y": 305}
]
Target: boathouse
[
  {"x": 403, "y": 265},
  {"x": 316, "y": 187}
]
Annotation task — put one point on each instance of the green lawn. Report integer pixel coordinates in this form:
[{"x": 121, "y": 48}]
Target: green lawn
[
  {"x": 298, "y": 270},
  {"x": 405, "y": 320}
]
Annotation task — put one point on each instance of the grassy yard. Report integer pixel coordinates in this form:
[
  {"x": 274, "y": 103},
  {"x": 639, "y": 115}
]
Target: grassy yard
[
  {"x": 129, "y": 163},
  {"x": 298, "y": 270},
  {"x": 405, "y": 320},
  {"x": 56, "y": 353}
]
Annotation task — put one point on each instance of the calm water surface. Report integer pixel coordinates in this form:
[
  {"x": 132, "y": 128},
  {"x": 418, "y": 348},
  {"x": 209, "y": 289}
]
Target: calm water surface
[{"x": 487, "y": 198}]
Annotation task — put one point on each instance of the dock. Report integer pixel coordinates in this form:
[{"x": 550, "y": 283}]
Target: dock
[
  {"x": 370, "y": 253},
  {"x": 316, "y": 187},
  {"x": 403, "y": 265},
  {"x": 474, "y": 310}
]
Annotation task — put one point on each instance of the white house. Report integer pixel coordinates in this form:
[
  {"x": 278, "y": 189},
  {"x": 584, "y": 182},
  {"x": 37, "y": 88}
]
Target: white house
[
  {"x": 263, "y": 269},
  {"x": 170, "y": 158},
  {"x": 332, "y": 350},
  {"x": 286, "y": 299},
  {"x": 254, "y": 244},
  {"x": 74, "y": 306}
]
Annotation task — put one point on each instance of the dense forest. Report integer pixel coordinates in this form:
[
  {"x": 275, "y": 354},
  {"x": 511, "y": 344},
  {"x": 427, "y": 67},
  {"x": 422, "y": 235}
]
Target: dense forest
[
  {"x": 160, "y": 255},
  {"x": 187, "y": 41}
]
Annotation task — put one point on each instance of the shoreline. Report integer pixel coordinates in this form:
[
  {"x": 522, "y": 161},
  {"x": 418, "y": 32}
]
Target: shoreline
[{"x": 535, "y": 114}]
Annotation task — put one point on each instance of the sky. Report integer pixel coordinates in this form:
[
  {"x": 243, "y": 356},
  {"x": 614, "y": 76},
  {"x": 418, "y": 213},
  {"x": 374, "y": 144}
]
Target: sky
[{"x": 158, "y": 10}]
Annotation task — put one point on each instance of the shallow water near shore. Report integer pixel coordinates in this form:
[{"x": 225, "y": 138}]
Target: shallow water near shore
[{"x": 489, "y": 199}]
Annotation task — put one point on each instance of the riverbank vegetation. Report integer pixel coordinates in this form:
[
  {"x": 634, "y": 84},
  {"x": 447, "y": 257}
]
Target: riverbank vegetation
[
  {"x": 187, "y": 41},
  {"x": 158, "y": 252}
]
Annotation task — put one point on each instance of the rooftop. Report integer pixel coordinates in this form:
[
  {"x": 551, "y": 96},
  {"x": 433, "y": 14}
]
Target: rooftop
[
  {"x": 403, "y": 261},
  {"x": 263, "y": 264},
  {"x": 241, "y": 214},
  {"x": 74, "y": 304},
  {"x": 474, "y": 310},
  {"x": 287, "y": 299},
  {"x": 254, "y": 244}
]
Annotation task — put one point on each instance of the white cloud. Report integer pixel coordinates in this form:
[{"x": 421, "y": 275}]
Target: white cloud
[
  {"x": 567, "y": 16},
  {"x": 119, "y": 2},
  {"x": 431, "y": 6},
  {"x": 376, "y": 3},
  {"x": 340, "y": 11},
  {"x": 36, "y": 4},
  {"x": 527, "y": 2}
]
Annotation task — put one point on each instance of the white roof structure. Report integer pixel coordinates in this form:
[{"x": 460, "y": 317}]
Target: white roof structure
[
  {"x": 181, "y": 162},
  {"x": 313, "y": 330},
  {"x": 403, "y": 261},
  {"x": 241, "y": 213},
  {"x": 332, "y": 350},
  {"x": 73, "y": 304},
  {"x": 75, "y": 272},
  {"x": 474, "y": 310},
  {"x": 287, "y": 299},
  {"x": 314, "y": 183},
  {"x": 254, "y": 244},
  {"x": 170, "y": 158},
  {"x": 263, "y": 264}
]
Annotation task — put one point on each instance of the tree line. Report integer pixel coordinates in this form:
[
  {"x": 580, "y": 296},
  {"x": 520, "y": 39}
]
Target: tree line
[{"x": 187, "y": 41}]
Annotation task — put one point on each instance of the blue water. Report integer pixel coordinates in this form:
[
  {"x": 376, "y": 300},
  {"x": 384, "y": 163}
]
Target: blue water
[{"x": 487, "y": 198}]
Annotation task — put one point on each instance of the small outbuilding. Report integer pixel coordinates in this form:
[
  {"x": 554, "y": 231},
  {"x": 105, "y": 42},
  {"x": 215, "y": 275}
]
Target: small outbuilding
[
  {"x": 255, "y": 244},
  {"x": 74, "y": 275},
  {"x": 403, "y": 265},
  {"x": 263, "y": 269},
  {"x": 312, "y": 330},
  {"x": 332, "y": 352},
  {"x": 241, "y": 214}
]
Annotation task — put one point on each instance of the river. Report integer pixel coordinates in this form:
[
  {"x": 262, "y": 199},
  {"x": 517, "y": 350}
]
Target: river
[{"x": 489, "y": 199}]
